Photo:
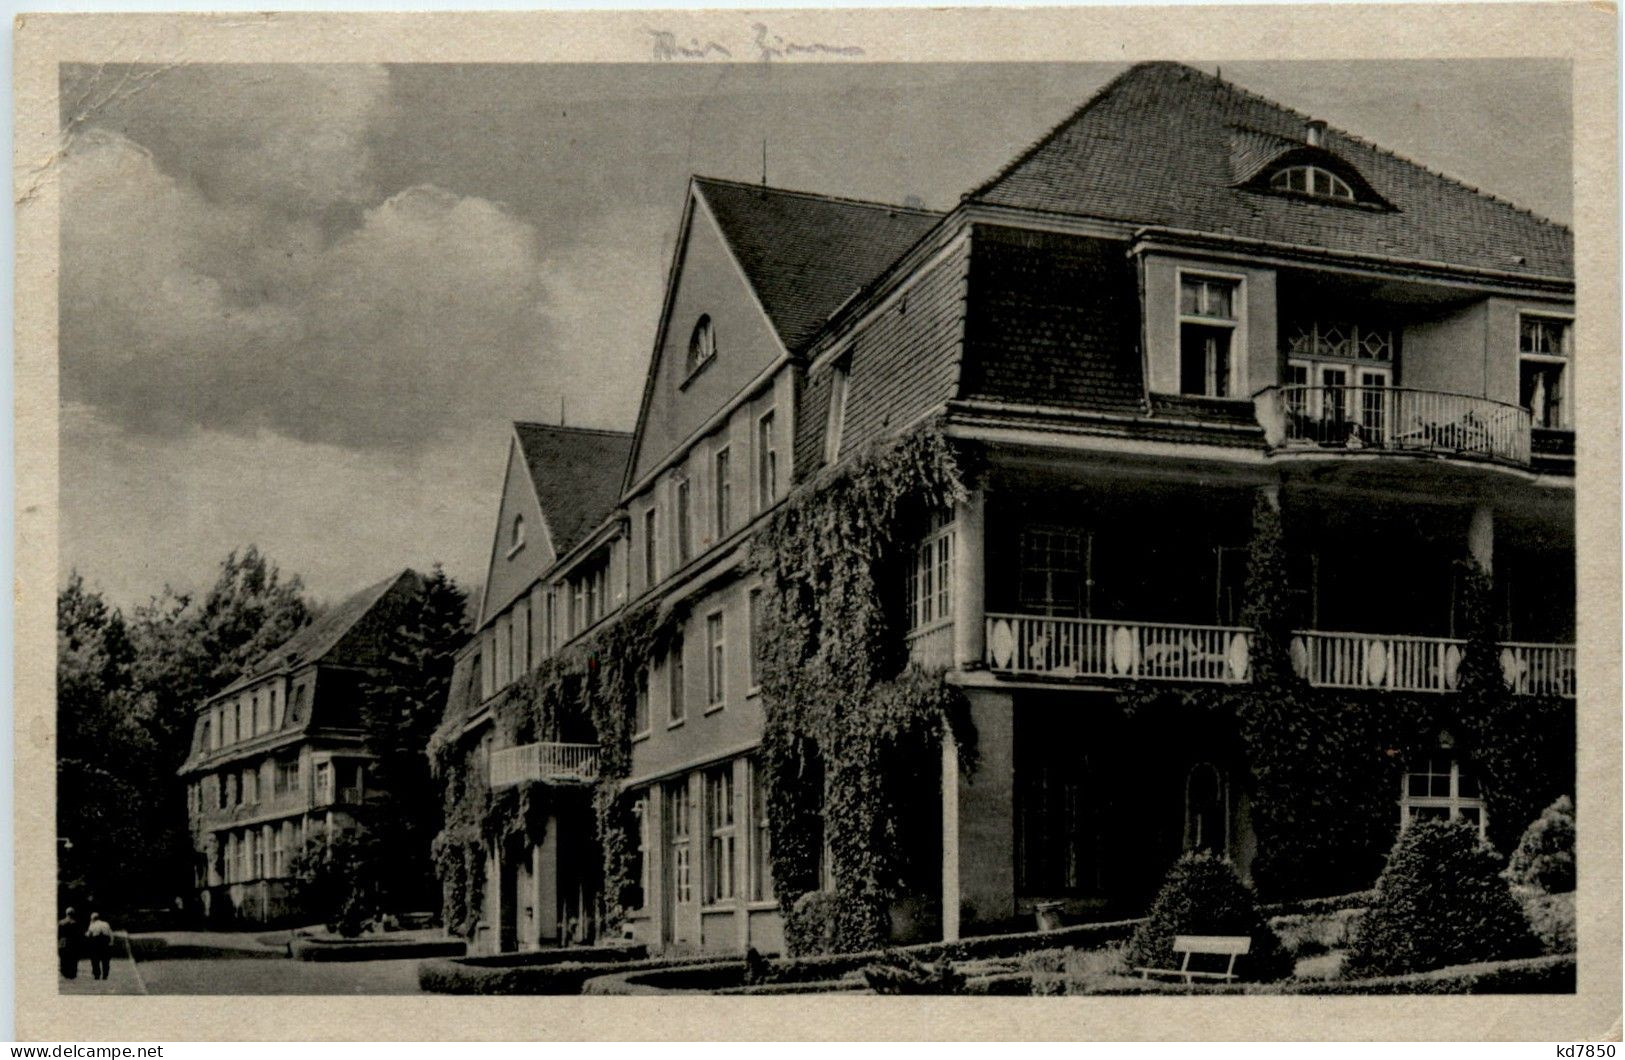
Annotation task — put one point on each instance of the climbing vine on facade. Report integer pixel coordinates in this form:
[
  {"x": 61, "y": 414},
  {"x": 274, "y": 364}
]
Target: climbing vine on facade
[
  {"x": 1325, "y": 765},
  {"x": 851, "y": 726},
  {"x": 585, "y": 693}
]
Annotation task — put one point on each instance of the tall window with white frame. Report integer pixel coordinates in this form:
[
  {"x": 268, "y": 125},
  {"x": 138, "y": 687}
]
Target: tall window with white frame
[
  {"x": 719, "y": 815},
  {"x": 1545, "y": 348},
  {"x": 767, "y": 462},
  {"x": 640, "y": 869},
  {"x": 1207, "y": 336},
  {"x": 677, "y": 829},
  {"x": 685, "y": 523},
  {"x": 640, "y": 705},
  {"x": 651, "y": 546},
  {"x": 722, "y": 493},
  {"x": 715, "y": 662},
  {"x": 754, "y": 633},
  {"x": 676, "y": 698},
  {"x": 761, "y": 854},
  {"x": 839, "y": 373},
  {"x": 1438, "y": 788},
  {"x": 930, "y": 576}
]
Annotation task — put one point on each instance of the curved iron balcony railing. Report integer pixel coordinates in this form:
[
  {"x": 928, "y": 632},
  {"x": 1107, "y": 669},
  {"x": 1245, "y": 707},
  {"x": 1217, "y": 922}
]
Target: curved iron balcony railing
[{"x": 1393, "y": 419}]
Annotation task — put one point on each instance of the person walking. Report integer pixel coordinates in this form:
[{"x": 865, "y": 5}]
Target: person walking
[
  {"x": 69, "y": 938},
  {"x": 99, "y": 941}
]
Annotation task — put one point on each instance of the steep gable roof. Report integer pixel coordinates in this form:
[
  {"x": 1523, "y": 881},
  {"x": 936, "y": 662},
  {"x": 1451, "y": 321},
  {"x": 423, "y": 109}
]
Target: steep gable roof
[
  {"x": 806, "y": 254},
  {"x": 320, "y": 639},
  {"x": 1161, "y": 145},
  {"x": 576, "y": 472}
]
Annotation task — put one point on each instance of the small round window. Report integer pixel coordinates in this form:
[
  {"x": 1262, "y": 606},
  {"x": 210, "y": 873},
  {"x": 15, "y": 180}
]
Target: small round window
[
  {"x": 702, "y": 345},
  {"x": 1312, "y": 180}
]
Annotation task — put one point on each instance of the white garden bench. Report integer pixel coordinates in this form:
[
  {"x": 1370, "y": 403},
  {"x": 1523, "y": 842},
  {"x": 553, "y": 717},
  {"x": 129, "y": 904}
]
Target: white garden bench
[{"x": 1232, "y": 946}]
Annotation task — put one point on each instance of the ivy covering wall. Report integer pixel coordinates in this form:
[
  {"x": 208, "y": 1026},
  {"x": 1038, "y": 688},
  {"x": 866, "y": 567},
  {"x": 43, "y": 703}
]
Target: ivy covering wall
[
  {"x": 585, "y": 693},
  {"x": 1324, "y": 766},
  {"x": 853, "y": 731}
]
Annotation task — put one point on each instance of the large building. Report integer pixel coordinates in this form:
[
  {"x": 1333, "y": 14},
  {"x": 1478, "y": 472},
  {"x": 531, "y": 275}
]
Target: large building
[
  {"x": 280, "y": 758},
  {"x": 1183, "y": 300}
]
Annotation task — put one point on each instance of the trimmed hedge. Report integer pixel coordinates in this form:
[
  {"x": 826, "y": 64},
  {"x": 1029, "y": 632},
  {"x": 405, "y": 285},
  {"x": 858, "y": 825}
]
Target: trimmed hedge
[
  {"x": 1202, "y": 895},
  {"x": 1307, "y": 906},
  {"x": 384, "y": 949},
  {"x": 563, "y": 972},
  {"x": 560, "y": 971},
  {"x": 1534, "y": 975},
  {"x": 1441, "y": 901}
]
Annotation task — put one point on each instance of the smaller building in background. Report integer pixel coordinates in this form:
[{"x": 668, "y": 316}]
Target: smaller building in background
[{"x": 280, "y": 758}]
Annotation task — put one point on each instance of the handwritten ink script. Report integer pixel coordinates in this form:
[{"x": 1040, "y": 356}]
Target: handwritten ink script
[{"x": 763, "y": 45}]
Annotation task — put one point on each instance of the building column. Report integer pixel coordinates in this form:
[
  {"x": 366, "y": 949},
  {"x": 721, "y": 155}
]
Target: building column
[
  {"x": 979, "y": 876},
  {"x": 493, "y": 900},
  {"x": 545, "y": 875},
  {"x": 1481, "y": 537},
  {"x": 950, "y": 838},
  {"x": 970, "y": 582}
]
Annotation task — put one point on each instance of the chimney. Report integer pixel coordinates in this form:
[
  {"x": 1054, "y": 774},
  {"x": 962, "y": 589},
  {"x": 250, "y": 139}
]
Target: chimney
[{"x": 1314, "y": 131}]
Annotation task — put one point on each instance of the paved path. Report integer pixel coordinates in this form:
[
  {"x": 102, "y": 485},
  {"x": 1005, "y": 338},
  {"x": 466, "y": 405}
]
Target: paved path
[{"x": 214, "y": 962}]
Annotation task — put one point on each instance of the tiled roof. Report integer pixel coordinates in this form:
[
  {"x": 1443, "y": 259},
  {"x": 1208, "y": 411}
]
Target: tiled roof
[
  {"x": 1159, "y": 146},
  {"x": 807, "y": 254},
  {"x": 577, "y": 473},
  {"x": 314, "y": 642}
]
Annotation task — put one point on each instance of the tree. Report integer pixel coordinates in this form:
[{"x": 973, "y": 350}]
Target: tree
[
  {"x": 126, "y": 696},
  {"x": 111, "y": 833},
  {"x": 400, "y": 706}
]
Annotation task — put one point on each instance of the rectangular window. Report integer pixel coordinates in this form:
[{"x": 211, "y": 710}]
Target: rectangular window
[
  {"x": 677, "y": 705},
  {"x": 1053, "y": 561},
  {"x": 1207, "y": 330},
  {"x": 767, "y": 463},
  {"x": 504, "y": 636},
  {"x": 677, "y": 826},
  {"x": 640, "y": 866},
  {"x": 640, "y": 704},
  {"x": 276, "y": 711},
  {"x": 651, "y": 548},
  {"x": 578, "y": 606},
  {"x": 254, "y": 715},
  {"x": 761, "y": 859},
  {"x": 223, "y": 792},
  {"x": 837, "y": 413},
  {"x": 723, "y": 494},
  {"x": 1439, "y": 788},
  {"x": 521, "y": 639},
  {"x": 754, "y": 648},
  {"x": 1545, "y": 347},
  {"x": 715, "y": 661},
  {"x": 685, "y": 523},
  {"x": 324, "y": 783},
  {"x": 552, "y": 636},
  {"x": 719, "y": 815},
  {"x": 930, "y": 575}
]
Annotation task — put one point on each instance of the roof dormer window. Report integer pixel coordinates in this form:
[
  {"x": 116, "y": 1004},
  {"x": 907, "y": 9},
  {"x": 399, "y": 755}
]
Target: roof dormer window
[
  {"x": 702, "y": 344},
  {"x": 1312, "y": 180}
]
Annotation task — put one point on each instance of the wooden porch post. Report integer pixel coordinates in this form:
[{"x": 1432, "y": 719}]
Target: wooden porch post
[{"x": 970, "y": 582}]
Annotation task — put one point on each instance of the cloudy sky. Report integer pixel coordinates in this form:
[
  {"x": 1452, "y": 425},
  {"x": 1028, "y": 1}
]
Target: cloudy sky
[{"x": 301, "y": 304}]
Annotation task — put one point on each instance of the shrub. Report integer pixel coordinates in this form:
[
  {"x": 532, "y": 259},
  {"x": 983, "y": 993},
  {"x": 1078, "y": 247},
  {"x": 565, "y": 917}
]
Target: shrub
[
  {"x": 1202, "y": 895},
  {"x": 811, "y": 926},
  {"x": 1545, "y": 855},
  {"x": 1440, "y": 901},
  {"x": 1551, "y": 918}
]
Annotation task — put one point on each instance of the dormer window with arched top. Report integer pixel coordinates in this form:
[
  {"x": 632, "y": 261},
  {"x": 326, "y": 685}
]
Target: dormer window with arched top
[
  {"x": 702, "y": 344},
  {"x": 1312, "y": 180}
]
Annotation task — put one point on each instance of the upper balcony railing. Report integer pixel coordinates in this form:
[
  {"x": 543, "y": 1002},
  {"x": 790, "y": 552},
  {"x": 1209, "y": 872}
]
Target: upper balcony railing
[
  {"x": 1040, "y": 646},
  {"x": 552, "y": 762},
  {"x": 1393, "y": 419}
]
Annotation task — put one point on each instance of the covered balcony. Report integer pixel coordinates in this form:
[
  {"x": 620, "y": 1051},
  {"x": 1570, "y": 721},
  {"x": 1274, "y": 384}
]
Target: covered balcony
[
  {"x": 551, "y": 763},
  {"x": 1107, "y": 581}
]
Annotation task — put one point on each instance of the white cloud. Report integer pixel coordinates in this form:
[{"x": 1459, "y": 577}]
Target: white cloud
[{"x": 179, "y": 312}]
